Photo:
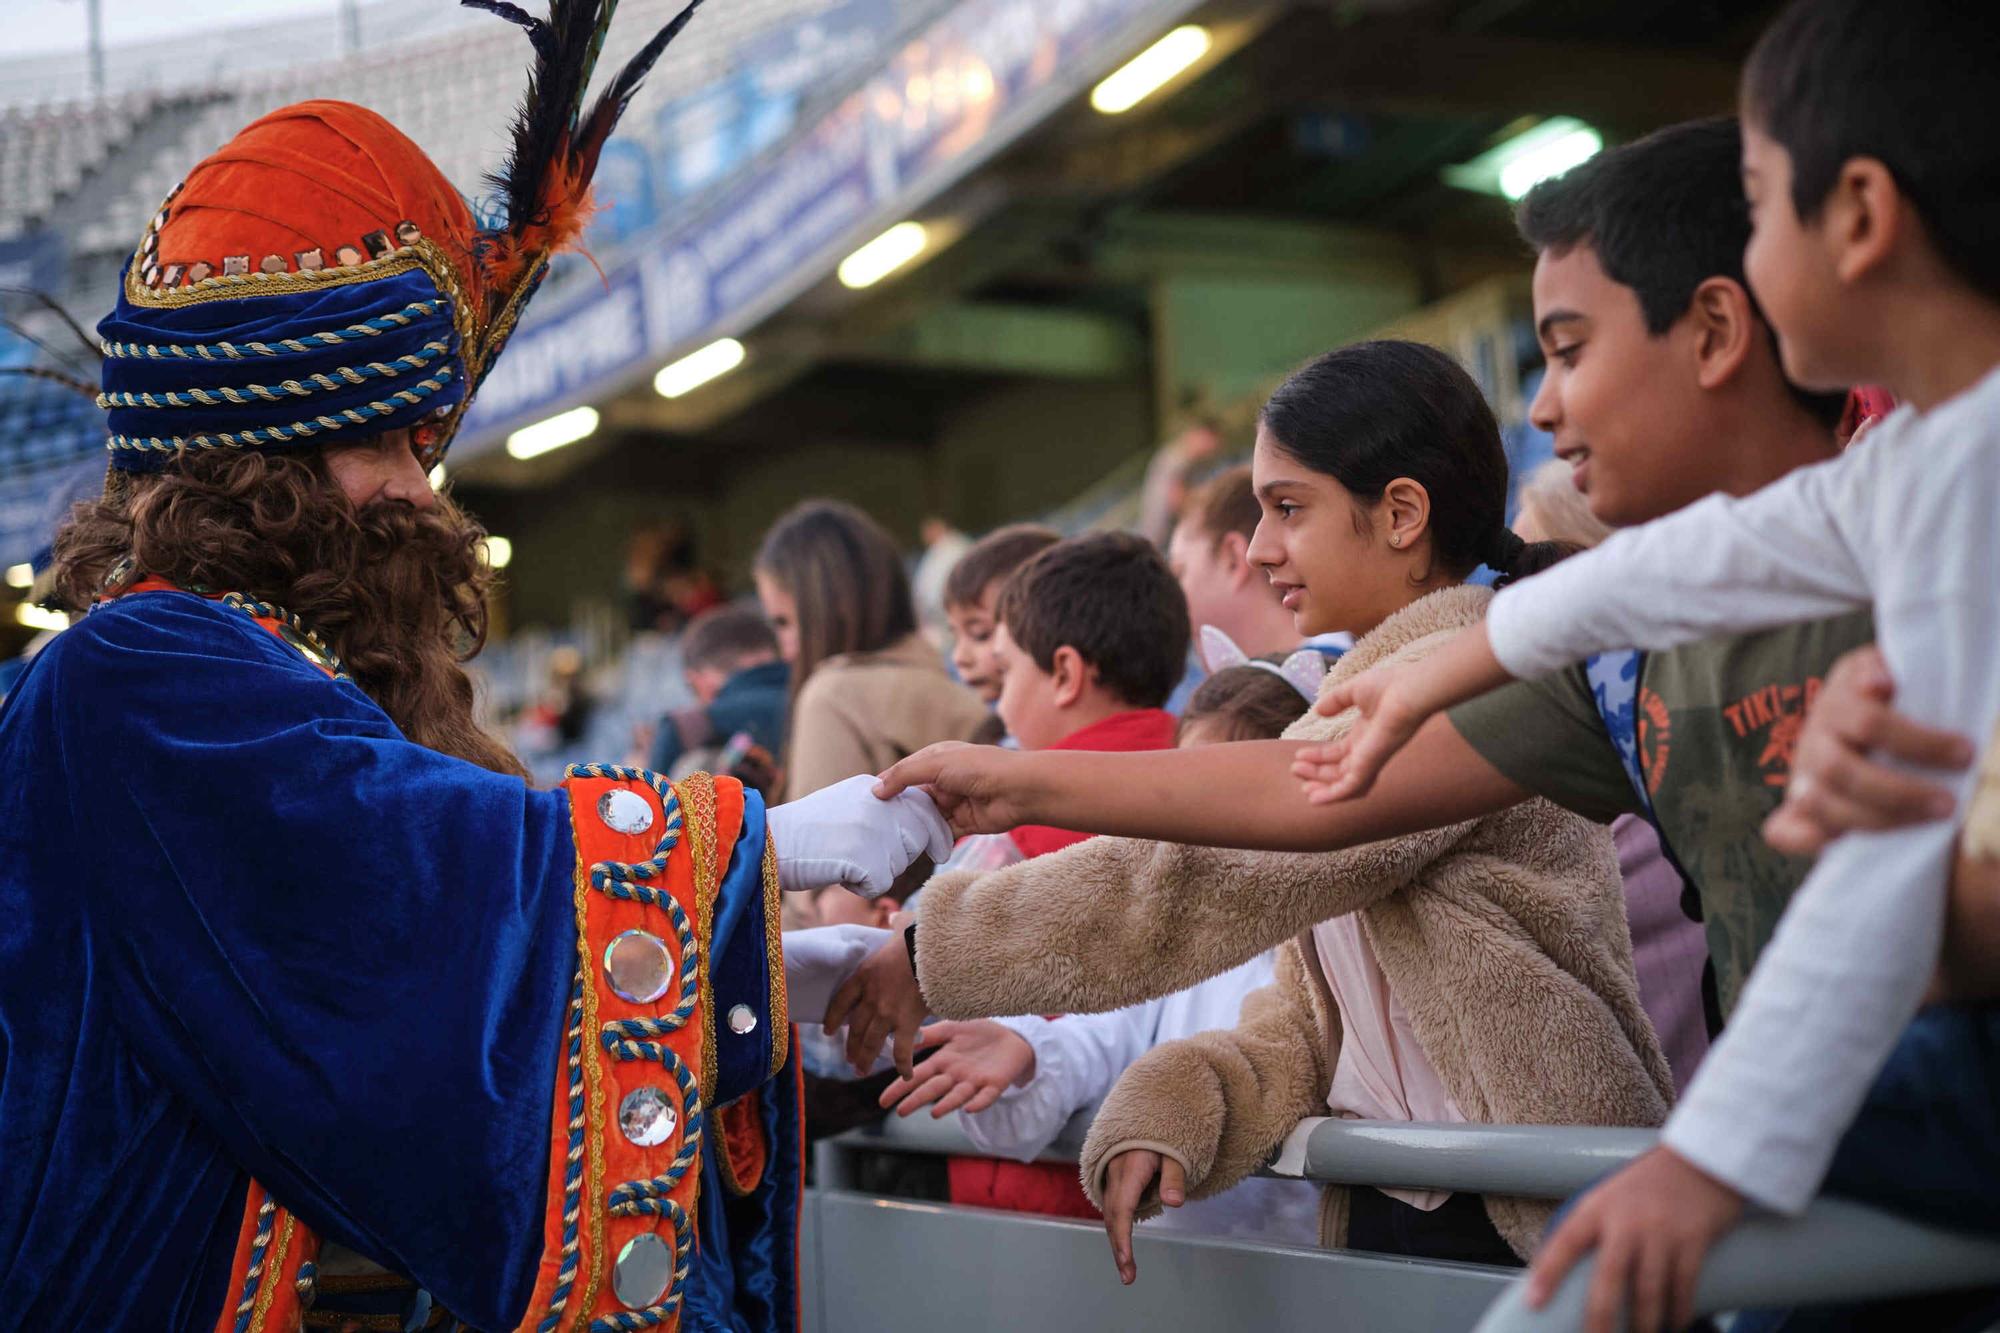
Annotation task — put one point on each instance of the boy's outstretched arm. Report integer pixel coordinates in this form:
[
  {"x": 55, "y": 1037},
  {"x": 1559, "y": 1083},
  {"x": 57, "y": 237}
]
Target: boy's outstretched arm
[
  {"x": 1240, "y": 795},
  {"x": 1722, "y": 565},
  {"x": 1394, "y": 703}
]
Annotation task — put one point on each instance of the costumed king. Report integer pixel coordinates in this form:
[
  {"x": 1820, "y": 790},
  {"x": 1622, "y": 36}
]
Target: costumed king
[{"x": 293, "y": 952}]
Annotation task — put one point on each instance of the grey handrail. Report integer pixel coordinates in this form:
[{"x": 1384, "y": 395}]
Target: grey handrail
[
  {"x": 1839, "y": 1251},
  {"x": 1539, "y": 1161}
]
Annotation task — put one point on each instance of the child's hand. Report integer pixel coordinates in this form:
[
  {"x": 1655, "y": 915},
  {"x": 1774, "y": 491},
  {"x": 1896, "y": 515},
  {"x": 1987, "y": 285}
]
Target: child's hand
[
  {"x": 974, "y": 1064},
  {"x": 1126, "y": 1177},
  {"x": 977, "y": 788},
  {"x": 1394, "y": 702},
  {"x": 1652, "y": 1225},
  {"x": 1339, "y": 770},
  {"x": 1838, "y": 781},
  {"x": 881, "y": 999}
]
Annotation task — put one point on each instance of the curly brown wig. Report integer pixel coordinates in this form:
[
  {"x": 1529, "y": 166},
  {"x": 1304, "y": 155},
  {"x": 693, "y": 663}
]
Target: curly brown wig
[{"x": 399, "y": 593}]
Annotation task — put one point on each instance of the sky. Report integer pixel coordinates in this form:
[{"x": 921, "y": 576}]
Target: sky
[{"x": 38, "y": 27}]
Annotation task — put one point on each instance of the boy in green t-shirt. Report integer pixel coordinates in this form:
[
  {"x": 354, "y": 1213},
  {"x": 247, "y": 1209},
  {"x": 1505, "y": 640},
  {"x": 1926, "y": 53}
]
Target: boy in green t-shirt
[{"x": 1663, "y": 386}]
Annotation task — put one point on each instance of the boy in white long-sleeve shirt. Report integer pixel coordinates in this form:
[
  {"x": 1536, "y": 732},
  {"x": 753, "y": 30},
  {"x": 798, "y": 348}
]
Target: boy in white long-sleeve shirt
[
  {"x": 1873, "y": 177},
  {"x": 1069, "y": 1064}
]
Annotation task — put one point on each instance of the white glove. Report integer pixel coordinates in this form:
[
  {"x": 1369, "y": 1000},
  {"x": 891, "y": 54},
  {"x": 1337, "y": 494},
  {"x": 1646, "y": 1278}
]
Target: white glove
[
  {"x": 818, "y": 961},
  {"x": 843, "y": 835}
]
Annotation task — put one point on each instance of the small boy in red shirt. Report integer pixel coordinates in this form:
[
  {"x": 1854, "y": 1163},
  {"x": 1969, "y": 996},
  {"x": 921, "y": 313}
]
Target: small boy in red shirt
[{"x": 1092, "y": 638}]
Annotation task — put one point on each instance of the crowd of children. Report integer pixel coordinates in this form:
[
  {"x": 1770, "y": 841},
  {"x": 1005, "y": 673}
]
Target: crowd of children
[{"x": 1525, "y": 853}]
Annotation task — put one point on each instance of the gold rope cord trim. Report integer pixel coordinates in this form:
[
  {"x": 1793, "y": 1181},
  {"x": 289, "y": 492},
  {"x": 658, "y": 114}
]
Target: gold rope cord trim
[
  {"x": 774, "y": 958},
  {"x": 697, "y": 796},
  {"x": 274, "y": 1271}
]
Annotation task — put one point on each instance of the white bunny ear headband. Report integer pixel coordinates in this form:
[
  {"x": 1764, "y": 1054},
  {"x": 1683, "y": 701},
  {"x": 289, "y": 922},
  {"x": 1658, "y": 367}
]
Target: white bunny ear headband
[{"x": 1303, "y": 670}]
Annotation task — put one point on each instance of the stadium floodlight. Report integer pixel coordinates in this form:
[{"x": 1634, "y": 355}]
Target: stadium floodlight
[
  {"x": 1524, "y": 160},
  {"x": 20, "y": 576},
  {"x": 1151, "y": 70},
  {"x": 884, "y": 255},
  {"x": 698, "y": 367},
  {"x": 561, "y": 429},
  {"x": 499, "y": 551},
  {"x": 35, "y": 617}
]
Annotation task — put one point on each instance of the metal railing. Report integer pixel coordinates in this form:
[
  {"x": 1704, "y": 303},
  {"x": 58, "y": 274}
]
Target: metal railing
[{"x": 1838, "y": 1252}]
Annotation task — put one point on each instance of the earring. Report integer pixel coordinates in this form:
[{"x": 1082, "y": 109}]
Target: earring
[{"x": 1396, "y": 539}]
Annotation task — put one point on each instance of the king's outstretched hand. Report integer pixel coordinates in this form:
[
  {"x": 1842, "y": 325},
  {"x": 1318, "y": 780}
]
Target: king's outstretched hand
[
  {"x": 845, "y": 834},
  {"x": 977, "y": 788},
  {"x": 878, "y": 1001}
]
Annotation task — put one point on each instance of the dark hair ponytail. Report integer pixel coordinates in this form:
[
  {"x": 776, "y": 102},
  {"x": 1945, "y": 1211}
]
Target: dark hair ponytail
[
  {"x": 1513, "y": 558},
  {"x": 1370, "y": 413}
]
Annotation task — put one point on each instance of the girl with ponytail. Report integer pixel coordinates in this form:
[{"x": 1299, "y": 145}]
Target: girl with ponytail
[
  {"x": 1401, "y": 434},
  {"x": 1479, "y": 972}
]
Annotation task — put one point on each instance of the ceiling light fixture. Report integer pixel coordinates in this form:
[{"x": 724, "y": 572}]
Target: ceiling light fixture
[
  {"x": 35, "y": 617},
  {"x": 699, "y": 367},
  {"x": 1150, "y": 70},
  {"x": 561, "y": 429},
  {"x": 1514, "y": 167},
  {"x": 885, "y": 254}
]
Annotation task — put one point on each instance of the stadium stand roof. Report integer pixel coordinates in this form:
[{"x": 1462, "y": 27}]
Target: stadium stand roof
[{"x": 1298, "y": 161}]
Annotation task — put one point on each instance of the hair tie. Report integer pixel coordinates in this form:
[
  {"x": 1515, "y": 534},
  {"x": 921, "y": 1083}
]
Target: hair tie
[{"x": 1506, "y": 550}]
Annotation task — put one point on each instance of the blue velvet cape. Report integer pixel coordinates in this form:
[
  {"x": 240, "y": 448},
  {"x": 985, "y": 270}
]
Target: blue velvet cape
[{"x": 247, "y": 929}]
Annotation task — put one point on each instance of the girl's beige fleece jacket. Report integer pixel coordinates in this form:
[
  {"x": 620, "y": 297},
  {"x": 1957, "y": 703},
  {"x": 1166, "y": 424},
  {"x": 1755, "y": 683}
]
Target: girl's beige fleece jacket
[{"x": 1504, "y": 938}]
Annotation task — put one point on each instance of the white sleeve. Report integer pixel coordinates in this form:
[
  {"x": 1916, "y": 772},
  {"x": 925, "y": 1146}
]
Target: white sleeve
[
  {"x": 1720, "y": 566},
  {"x": 1848, "y": 965},
  {"x": 818, "y": 960},
  {"x": 1077, "y": 1059}
]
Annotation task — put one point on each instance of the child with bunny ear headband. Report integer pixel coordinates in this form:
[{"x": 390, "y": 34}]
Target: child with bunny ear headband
[{"x": 1302, "y": 670}]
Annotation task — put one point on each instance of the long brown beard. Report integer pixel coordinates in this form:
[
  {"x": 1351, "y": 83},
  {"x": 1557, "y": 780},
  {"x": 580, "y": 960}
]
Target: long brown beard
[{"x": 399, "y": 594}]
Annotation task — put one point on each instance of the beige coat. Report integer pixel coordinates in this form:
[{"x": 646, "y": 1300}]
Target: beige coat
[
  {"x": 1504, "y": 939},
  {"x": 861, "y": 712}
]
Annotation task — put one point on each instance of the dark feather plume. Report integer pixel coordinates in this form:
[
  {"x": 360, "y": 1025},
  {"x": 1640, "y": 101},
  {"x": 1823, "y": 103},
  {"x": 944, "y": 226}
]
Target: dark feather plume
[
  {"x": 565, "y": 46},
  {"x": 545, "y": 182},
  {"x": 611, "y": 103}
]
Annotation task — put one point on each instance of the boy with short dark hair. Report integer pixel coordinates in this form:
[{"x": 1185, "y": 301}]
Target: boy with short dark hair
[
  {"x": 1870, "y": 173},
  {"x": 1091, "y": 639},
  {"x": 1662, "y": 218},
  {"x": 972, "y": 596},
  {"x": 1093, "y": 635},
  {"x": 730, "y": 660}
]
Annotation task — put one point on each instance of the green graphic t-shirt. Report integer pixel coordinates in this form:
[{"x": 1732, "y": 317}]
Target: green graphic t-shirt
[{"x": 1718, "y": 721}]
